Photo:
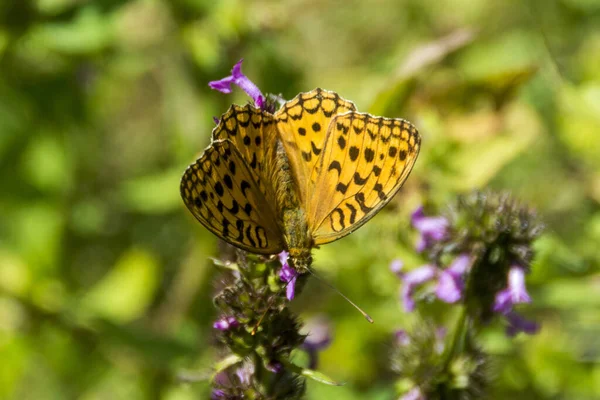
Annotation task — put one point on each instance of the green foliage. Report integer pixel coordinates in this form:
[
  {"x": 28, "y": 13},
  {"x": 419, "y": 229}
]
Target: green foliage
[{"x": 105, "y": 280}]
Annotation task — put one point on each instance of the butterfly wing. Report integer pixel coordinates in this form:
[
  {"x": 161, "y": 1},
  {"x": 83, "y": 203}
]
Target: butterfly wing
[
  {"x": 302, "y": 125},
  {"x": 221, "y": 192},
  {"x": 364, "y": 163},
  {"x": 253, "y": 132}
]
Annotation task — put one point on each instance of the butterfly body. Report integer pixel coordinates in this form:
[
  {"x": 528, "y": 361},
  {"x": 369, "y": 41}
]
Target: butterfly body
[
  {"x": 309, "y": 174},
  {"x": 292, "y": 218}
]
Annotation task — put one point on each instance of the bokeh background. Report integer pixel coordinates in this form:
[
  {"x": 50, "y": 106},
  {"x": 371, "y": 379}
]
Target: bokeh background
[{"x": 105, "y": 278}]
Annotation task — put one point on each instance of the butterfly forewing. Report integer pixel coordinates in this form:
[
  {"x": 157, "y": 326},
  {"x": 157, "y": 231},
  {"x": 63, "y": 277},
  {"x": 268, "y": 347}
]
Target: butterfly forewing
[
  {"x": 221, "y": 192},
  {"x": 302, "y": 124},
  {"x": 364, "y": 163},
  {"x": 253, "y": 132}
]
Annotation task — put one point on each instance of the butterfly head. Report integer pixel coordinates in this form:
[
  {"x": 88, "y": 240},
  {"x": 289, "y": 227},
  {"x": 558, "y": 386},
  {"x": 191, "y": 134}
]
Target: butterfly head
[{"x": 301, "y": 260}]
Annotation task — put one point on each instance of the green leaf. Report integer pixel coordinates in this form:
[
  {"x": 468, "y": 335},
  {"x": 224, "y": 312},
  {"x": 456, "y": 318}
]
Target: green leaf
[
  {"x": 225, "y": 363},
  {"x": 312, "y": 374}
]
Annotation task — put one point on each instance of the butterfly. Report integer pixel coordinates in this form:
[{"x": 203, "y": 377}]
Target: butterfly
[{"x": 310, "y": 173}]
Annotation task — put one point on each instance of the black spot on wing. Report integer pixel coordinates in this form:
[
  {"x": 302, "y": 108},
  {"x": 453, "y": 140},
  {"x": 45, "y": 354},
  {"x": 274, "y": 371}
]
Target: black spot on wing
[
  {"x": 336, "y": 166},
  {"x": 360, "y": 180},
  {"x": 352, "y": 213},
  {"x": 315, "y": 149},
  {"x": 341, "y": 188},
  {"x": 369, "y": 155}
]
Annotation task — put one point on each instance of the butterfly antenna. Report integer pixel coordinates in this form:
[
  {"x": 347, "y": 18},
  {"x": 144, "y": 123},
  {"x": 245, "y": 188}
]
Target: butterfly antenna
[
  {"x": 269, "y": 307},
  {"x": 360, "y": 310}
]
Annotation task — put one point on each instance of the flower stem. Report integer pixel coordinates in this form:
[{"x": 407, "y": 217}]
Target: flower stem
[{"x": 457, "y": 342}]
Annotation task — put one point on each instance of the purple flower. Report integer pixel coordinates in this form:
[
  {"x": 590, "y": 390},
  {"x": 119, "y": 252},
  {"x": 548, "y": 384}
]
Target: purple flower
[
  {"x": 411, "y": 280},
  {"x": 241, "y": 80},
  {"x": 414, "y": 394},
  {"x": 515, "y": 292},
  {"x": 432, "y": 229},
  {"x": 226, "y": 323},
  {"x": 402, "y": 337},
  {"x": 516, "y": 324},
  {"x": 275, "y": 367},
  {"x": 396, "y": 267},
  {"x": 245, "y": 373},
  {"x": 318, "y": 338},
  {"x": 450, "y": 281},
  {"x": 217, "y": 394},
  {"x": 288, "y": 275}
]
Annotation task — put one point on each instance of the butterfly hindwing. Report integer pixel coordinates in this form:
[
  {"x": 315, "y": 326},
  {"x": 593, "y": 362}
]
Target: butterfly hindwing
[
  {"x": 365, "y": 161},
  {"x": 221, "y": 192},
  {"x": 302, "y": 124}
]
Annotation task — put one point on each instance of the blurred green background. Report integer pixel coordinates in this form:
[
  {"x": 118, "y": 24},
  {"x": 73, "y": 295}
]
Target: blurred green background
[{"x": 105, "y": 278}]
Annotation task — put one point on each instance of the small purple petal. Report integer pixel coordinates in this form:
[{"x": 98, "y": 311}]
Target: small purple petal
[
  {"x": 459, "y": 266},
  {"x": 217, "y": 394},
  {"x": 318, "y": 338},
  {"x": 414, "y": 394},
  {"x": 416, "y": 215},
  {"x": 515, "y": 293},
  {"x": 275, "y": 367},
  {"x": 432, "y": 229},
  {"x": 288, "y": 275},
  {"x": 420, "y": 275},
  {"x": 216, "y": 120},
  {"x": 283, "y": 257},
  {"x": 222, "y": 85},
  {"x": 422, "y": 244},
  {"x": 226, "y": 323},
  {"x": 241, "y": 80},
  {"x": 516, "y": 283},
  {"x": 319, "y": 334},
  {"x": 519, "y": 324},
  {"x": 233, "y": 323},
  {"x": 402, "y": 337},
  {"x": 413, "y": 278},
  {"x": 450, "y": 281},
  {"x": 407, "y": 300},
  {"x": 396, "y": 267},
  {"x": 245, "y": 373},
  {"x": 448, "y": 289},
  {"x": 503, "y": 302},
  {"x": 290, "y": 291}
]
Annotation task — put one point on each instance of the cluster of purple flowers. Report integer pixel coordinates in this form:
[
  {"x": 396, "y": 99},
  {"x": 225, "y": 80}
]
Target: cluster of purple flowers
[{"x": 449, "y": 282}]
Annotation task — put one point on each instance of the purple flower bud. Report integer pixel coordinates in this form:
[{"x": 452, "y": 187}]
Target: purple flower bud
[
  {"x": 450, "y": 281},
  {"x": 432, "y": 229},
  {"x": 448, "y": 289},
  {"x": 283, "y": 257},
  {"x": 402, "y": 337},
  {"x": 414, "y": 394},
  {"x": 245, "y": 373},
  {"x": 396, "y": 267},
  {"x": 319, "y": 334},
  {"x": 288, "y": 275},
  {"x": 516, "y": 324},
  {"x": 318, "y": 338},
  {"x": 515, "y": 292},
  {"x": 239, "y": 79},
  {"x": 226, "y": 323},
  {"x": 413, "y": 278},
  {"x": 217, "y": 394},
  {"x": 274, "y": 367}
]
